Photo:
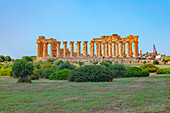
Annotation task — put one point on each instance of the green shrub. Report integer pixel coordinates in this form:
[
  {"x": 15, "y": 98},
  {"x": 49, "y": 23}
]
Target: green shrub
[
  {"x": 51, "y": 60},
  {"x": 164, "y": 61},
  {"x": 47, "y": 72},
  {"x": 34, "y": 77},
  {"x": 144, "y": 62},
  {"x": 22, "y": 69},
  {"x": 95, "y": 62},
  {"x": 105, "y": 64},
  {"x": 66, "y": 65},
  {"x": 38, "y": 72},
  {"x": 7, "y": 58},
  {"x": 46, "y": 65},
  {"x": 27, "y": 58},
  {"x": 119, "y": 70},
  {"x": 2, "y": 58},
  {"x": 156, "y": 62},
  {"x": 163, "y": 71},
  {"x": 80, "y": 63},
  {"x": 108, "y": 61},
  {"x": 137, "y": 72},
  {"x": 91, "y": 73},
  {"x": 1, "y": 65},
  {"x": 6, "y": 71},
  {"x": 37, "y": 65},
  {"x": 58, "y": 62},
  {"x": 7, "y": 65},
  {"x": 149, "y": 67},
  {"x": 60, "y": 75}
]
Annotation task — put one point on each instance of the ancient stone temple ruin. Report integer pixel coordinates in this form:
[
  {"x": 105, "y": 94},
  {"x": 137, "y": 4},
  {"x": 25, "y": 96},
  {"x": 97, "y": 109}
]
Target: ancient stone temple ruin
[{"x": 107, "y": 46}]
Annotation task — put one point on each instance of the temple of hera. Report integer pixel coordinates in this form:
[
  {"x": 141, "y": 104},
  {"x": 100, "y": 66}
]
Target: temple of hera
[{"x": 107, "y": 46}]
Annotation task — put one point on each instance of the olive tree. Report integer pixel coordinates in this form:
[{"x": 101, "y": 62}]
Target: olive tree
[{"x": 21, "y": 69}]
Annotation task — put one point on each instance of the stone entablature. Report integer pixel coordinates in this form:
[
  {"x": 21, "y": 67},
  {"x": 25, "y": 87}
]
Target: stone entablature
[{"x": 106, "y": 46}]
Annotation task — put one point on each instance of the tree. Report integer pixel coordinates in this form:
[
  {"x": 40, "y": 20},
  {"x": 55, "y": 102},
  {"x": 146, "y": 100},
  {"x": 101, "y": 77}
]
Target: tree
[
  {"x": 2, "y": 58},
  {"x": 28, "y": 58},
  {"x": 7, "y": 58},
  {"x": 80, "y": 63},
  {"x": 22, "y": 69},
  {"x": 164, "y": 61}
]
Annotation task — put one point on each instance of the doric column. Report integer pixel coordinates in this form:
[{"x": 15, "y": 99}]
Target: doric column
[
  {"x": 128, "y": 48},
  {"x": 140, "y": 53},
  {"x": 99, "y": 49},
  {"x": 92, "y": 48},
  {"x": 114, "y": 49},
  {"x": 65, "y": 49},
  {"x": 124, "y": 50},
  {"x": 110, "y": 49},
  {"x": 85, "y": 52},
  {"x": 135, "y": 49},
  {"x": 107, "y": 51},
  {"x": 121, "y": 48},
  {"x": 130, "y": 45},
  {"x": 104, "y": 50},
  {"x": 117, "y": 49},
  {"x": 71, "y": 48},
  {"x": 38, "y": 50},
  {"x": 58, "y": 49},
  {"x": 78, "y": 48},
  {"x": 51, "y": 50},
  {"x": 45, "y": 50}
]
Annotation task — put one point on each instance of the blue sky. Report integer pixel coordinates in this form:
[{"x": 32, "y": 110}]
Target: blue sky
[{"x": 22, "y": 21}]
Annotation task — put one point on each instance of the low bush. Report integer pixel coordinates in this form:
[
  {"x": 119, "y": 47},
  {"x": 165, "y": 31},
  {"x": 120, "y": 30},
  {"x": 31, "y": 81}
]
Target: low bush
[
  {"x": 66, "y": 65},
  {"x": 108, "y": 61},
  {"x": 58, "y": 62},
  {"x": 137, "y": 72},
  {"x": 6, "y": 71},
  {"x": 91, "y": 73},
  {"x": 37, "y": 65},
  {"x": 7, "y": 65},
  {"x": 119, "y": 70},
  {"x": 105, "y": 64},
  {"x": 163, "y": 71},
  {"x": 51, "y": 60},
  {"x": 144, "y": 62},
  {"x": 46, "y": 65},
  {"x": 149, "y": 67},
  {"x": 47, "y": 72},
  {"x": 95, "y": 62},
  {"x": 38, "y": 72},
  {"x": 156, "y": 62},
  {"x": 1, "y": 65},
  {"x": 60, "y": 75},
  {"x": 80, "y": 63}
]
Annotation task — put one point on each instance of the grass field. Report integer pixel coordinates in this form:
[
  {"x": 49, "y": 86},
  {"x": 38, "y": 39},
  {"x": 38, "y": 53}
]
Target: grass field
[{"x": 150, "y": 94}]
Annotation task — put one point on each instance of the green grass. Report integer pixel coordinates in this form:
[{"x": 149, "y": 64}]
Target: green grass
[{"x": 148, "y": 94}]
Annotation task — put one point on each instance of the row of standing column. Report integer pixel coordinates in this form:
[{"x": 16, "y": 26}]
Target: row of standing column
[{"x": 108, "y": 50}]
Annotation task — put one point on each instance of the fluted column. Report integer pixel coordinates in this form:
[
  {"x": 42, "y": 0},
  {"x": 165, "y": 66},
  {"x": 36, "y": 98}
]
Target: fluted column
[
  {"x": 92, "y": 48},
  {"x": 51, "y": 50},
  {"x": 114, "y": 49},
  {"x": 85, "y": 52},
  {"x": 99, "y": 49},
  {"x": 45, "y": 50},
  {"x": 110, "y": 49},
  {"x": 38, "y": 50},
  {"x": 124, "y": 50},
  {"x": 128, "y": 48},
  {"x": 78, "y": 48},
  {"x": 104, "y": 50},
  {"x": 135, "y": 49},
  {"x": 58, "y": 49},
  {"x": 121, "y": 49},
  {"x": 130, "y": 45},
  {"x": 107, "y": 51},
  {"x": 65, "y": 49},
  {"x": 117, "y": 49},
  {"x": 71, "y": 48}
]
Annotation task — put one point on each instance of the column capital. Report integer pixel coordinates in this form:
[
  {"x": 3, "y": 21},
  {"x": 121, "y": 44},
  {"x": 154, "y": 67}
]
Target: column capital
[
  {"x": 78, "y": 41},
  {"x": 85, "y": 41},
  {"x": 71, "y": 42},
  {"x": 58, "y": 42},
  {"x": 64, "y": 42},
  {"x": 120, "y": 41}
]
